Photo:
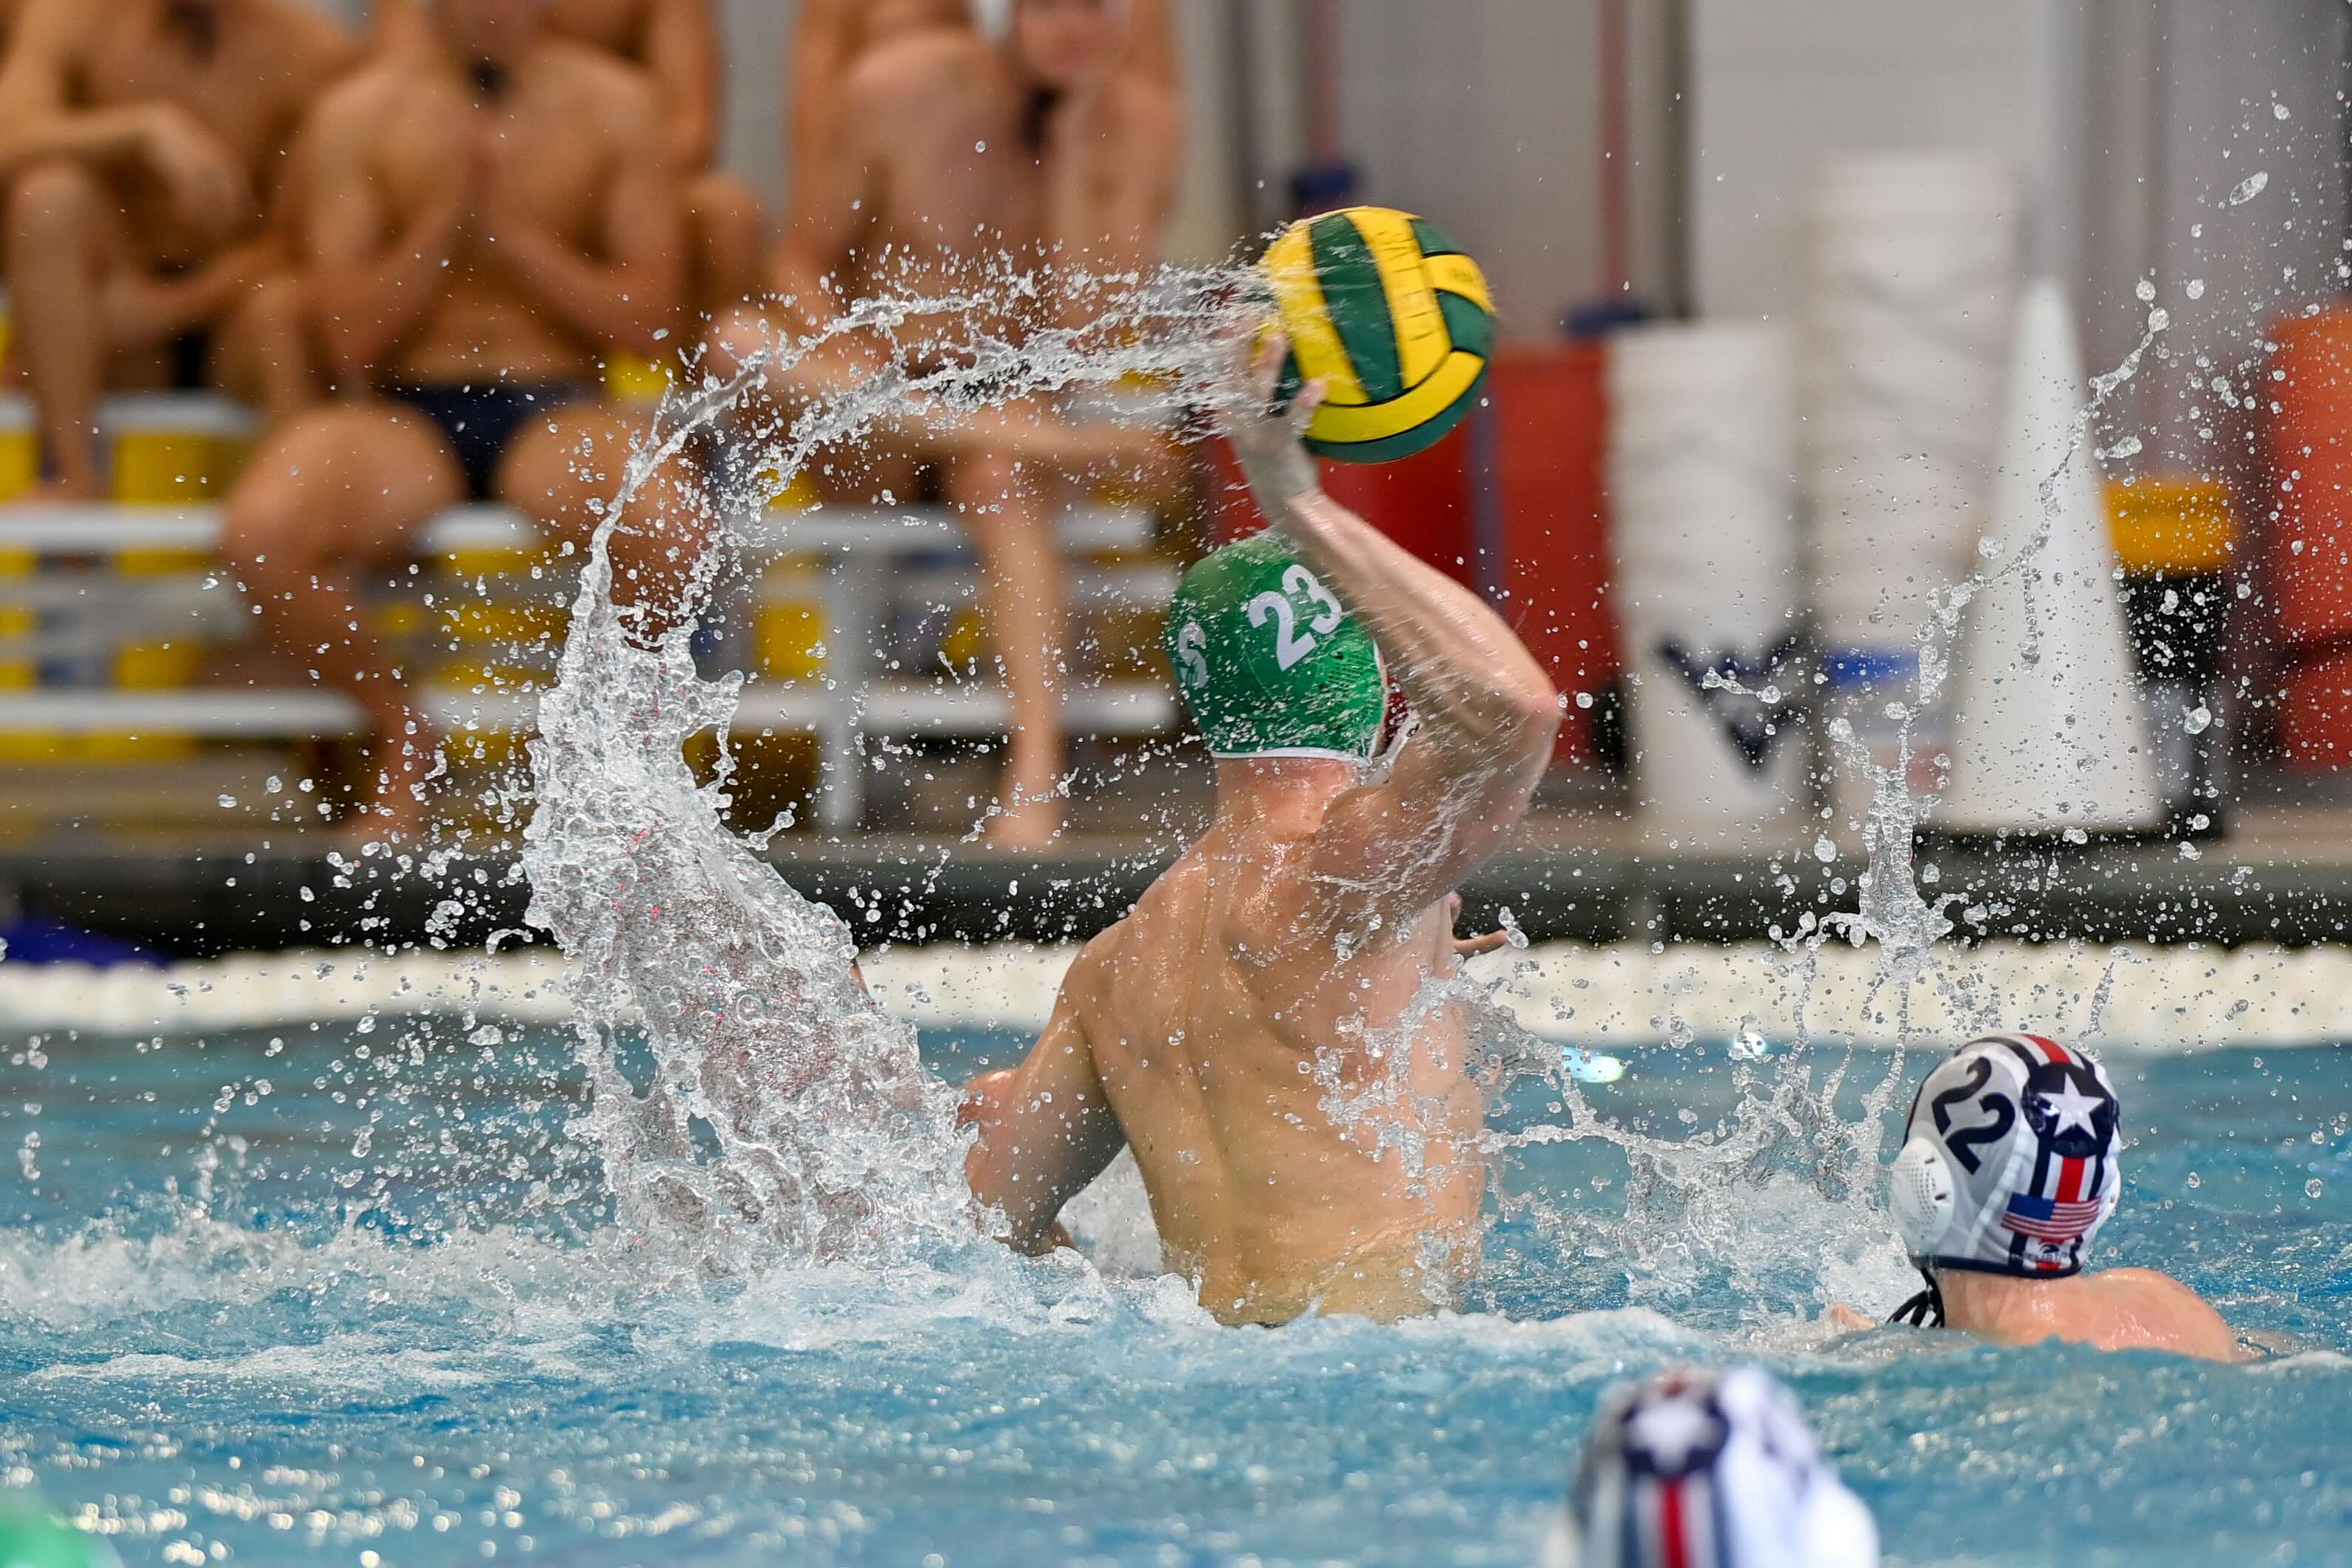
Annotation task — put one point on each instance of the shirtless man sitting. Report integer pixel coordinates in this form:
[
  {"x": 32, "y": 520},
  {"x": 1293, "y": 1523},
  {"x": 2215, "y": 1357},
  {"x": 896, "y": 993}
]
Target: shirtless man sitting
[
  {"x": 141, "y": 141},
  {"x": 1306, "y": 1126},
  {"x": 2008, "y": 1169},
  {"x": 956, "y": 156},
  {"x": 488, "y": 214},
  {"x": 677, "y": 43},
  {"x": 832, "y": 37}
]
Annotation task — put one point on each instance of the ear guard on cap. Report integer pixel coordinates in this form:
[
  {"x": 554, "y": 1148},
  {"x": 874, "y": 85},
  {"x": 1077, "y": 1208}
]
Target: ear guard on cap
[{"x": 1921, "y": 1193}]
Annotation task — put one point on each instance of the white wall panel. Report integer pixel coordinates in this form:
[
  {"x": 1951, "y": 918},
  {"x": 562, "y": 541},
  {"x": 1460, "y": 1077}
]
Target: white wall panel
[{"x": 1780, "y": 86}]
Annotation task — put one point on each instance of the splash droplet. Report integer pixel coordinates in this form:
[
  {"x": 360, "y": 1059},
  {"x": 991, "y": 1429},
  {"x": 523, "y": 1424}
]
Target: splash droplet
[{"x": 2247, "y": 188}]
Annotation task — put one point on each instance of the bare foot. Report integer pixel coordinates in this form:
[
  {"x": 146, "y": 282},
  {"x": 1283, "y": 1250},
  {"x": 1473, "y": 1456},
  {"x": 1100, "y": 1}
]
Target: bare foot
[{"x": 1845, "y": 1320}]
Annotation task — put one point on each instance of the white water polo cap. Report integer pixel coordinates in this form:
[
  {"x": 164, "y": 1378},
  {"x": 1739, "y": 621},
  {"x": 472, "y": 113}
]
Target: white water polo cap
[
  {"x": 1704, "y": 1470},
  {"x": 2010, "y": 1162}
]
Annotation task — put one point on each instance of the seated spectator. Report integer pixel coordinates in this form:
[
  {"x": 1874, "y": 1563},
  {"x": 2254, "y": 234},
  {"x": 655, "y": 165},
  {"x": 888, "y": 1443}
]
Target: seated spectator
[
  {"x": 141, "y": 142},
  {"x": 490, "y": 213},
  {"x": 955, "y": 153},
  {"x": 833, "y": 35},
  {"x": 677, "y": 43}
]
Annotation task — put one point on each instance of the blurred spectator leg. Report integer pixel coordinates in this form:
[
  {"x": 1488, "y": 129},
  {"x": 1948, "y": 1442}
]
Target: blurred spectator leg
[
  {"x": 264, "y": 354},
  {"x": 63, "y": 237},
  {"x": 343, "y": 487},
  {"x": 579, "y": 454},
  {"x": 1006, "y": 510},
  {"x": 726, "y": 236}
]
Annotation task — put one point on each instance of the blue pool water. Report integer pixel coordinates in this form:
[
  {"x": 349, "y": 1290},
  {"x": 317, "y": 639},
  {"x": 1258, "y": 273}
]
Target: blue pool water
[{"x": 317, "y": 1294}]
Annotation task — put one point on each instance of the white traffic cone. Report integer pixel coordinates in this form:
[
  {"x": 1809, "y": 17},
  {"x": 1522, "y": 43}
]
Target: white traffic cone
[{"x": 2049, "y": 732}]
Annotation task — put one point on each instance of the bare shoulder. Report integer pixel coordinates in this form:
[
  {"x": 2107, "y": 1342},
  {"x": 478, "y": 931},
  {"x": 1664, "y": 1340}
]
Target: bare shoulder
[
  {"x": 607, "y": 91},
  {"x": 62, "y": 29},
  {"x": 352, "y": 108},
  {"x": 317, "y": 44},
  {"x": 2149, "y": 1285},
  {"x": 1089, "y": 984},
  {"x": 2161, "y": 1302},
  {"x": 1148, "y": 111},
  {"x": 361, "y": 100},
  {"x": 918, "y": 67}
]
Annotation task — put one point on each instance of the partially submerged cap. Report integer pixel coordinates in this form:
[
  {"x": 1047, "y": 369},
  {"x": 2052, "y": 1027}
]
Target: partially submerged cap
[
  {"x": 1269, "y": 661},
  {"x": 1701, "y": 1469},
  {"x": 2009, "y": 1160}
]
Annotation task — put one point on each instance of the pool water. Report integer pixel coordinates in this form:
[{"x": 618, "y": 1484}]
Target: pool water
[{"x": 317, "y": 1294}]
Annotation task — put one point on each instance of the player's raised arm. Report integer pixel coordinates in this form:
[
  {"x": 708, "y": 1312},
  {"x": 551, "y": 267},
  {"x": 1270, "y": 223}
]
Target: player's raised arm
[
  {"x": 1046, "y": 1130},
  {"x": 1488, "y": 713}
]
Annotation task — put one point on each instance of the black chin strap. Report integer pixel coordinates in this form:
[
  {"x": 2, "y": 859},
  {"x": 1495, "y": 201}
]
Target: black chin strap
[{"x": 1924, "y": 1311}]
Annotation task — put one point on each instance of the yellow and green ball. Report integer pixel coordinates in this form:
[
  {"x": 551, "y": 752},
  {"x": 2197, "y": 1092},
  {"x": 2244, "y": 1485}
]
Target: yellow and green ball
[{"x": 1392, "y": 317}]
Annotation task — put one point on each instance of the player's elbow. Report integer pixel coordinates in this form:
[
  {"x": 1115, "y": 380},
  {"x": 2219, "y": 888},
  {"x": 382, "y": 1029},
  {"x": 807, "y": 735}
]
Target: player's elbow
[
  {"x": 1524, "y": 717},
  {"x": 1541, "y": 716}
]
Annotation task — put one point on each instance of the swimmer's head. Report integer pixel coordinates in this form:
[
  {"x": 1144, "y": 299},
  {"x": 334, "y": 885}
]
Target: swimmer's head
[
  {"x": 1269, "y": 662},
  {"x": 2009, "y": 1165},
  {"x": 1702, "y": 1469},
  {"x": 1060, "y": 44}
]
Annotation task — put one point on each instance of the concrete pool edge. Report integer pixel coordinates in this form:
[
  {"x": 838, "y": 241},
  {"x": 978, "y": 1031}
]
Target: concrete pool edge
[
  {"x": 1560, "y": 883},
  {"x": 2170, "y": 998}
]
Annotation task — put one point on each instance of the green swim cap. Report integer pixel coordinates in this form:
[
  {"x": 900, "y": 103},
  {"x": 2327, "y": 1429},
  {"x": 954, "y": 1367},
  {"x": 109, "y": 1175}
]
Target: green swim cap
[{"x": 1270, "y": 663}]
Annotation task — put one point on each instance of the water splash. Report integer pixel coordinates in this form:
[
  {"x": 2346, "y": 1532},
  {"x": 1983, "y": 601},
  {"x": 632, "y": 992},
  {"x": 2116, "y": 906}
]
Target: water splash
[
  {"x": 789, "y": 1120},
  {"x": 1891, "y": 910}
]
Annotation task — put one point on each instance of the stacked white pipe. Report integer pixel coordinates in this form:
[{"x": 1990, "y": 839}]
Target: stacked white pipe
[
  {"x": 1703, "y": 502},
  {"x": 1912, "y": 272}
]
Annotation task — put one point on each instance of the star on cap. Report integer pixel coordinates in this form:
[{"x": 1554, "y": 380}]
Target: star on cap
[
  {"x": 1671, "y": 1429},
  {"x": 2070, "y": 1107}
]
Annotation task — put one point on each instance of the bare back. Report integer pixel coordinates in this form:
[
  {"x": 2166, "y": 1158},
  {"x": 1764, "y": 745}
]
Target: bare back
[
  {"x": 1305, "y": 1138},
  {"x": 396, "y": 143}
]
